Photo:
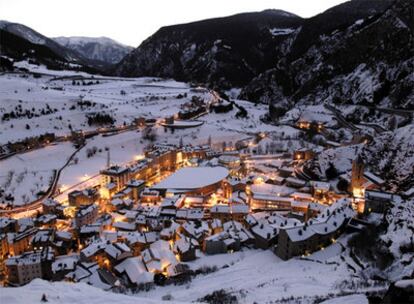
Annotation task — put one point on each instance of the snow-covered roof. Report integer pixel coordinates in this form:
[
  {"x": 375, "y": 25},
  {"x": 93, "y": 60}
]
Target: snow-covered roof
[
  {"x": 233, "y": 208},
  {"x": 135, "y": 269},
  {"x": 378, "y": 195},
  {"x": 372, "y": 177},
  {"x": 320, "y": 185},
  {"x": 330, "y": 220},
  {"x": 193, "y": 178}
]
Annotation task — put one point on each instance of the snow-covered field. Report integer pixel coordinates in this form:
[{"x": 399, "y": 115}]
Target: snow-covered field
[
  {"x": 55, "y": 103},
  {"x": 66, "y": 293},
  {"x": 24, "y": 175}
]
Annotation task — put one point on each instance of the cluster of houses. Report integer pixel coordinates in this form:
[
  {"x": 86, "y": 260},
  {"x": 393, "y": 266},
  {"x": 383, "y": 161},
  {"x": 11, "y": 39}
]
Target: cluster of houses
[{"x": 147, "y": 220}]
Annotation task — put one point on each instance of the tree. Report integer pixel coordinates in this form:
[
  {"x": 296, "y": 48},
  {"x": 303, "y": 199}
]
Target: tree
[
  {"x": 342, "y": 185},
  {"x": 392, "y": 123},
  {"x": 149, "y": 134},
  {"x": 331, "y": 172}
]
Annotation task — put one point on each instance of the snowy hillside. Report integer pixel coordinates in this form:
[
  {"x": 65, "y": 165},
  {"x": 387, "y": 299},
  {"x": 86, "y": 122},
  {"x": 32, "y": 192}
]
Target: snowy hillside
[
  {"x": 66, "y": 293},
  {"x": 61, "y": 101},
  {"x": 99, "y": 48},
  {"x": 392, "y": 155}
]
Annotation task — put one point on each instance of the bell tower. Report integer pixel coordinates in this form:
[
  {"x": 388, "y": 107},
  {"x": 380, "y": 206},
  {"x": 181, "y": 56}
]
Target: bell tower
[{"x": 357, "y": 179}]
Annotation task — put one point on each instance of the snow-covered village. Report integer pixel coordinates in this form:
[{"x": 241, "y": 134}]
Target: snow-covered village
[{"x": 129, "y": 175}]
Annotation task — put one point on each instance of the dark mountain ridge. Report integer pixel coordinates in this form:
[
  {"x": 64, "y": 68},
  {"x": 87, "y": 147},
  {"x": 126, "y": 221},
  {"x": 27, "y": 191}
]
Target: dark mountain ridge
[{"x": 226, "y": 51}]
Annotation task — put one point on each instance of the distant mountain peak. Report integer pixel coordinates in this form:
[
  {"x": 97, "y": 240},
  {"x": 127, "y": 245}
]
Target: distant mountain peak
[{"x": 96, "y": 48}]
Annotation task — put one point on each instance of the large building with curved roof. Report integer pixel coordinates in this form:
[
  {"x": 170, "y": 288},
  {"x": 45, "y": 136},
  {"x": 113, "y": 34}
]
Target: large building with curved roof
[{"x": 193, "y": 180}]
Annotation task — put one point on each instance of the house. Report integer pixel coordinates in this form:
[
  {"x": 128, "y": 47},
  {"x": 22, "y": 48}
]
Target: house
[
  {"x": 63, "y": 265},
  {"x": 119, "y": 176},
  {"x": 117, "y": 252},
  {"x": 229, "y": 212},
  {"x": 4, "y": 251},
  {"x": 159, "y": 258},
  {"x": 285, "y": 171},
  {"x": 234, "y": 234},
  {"x": 263, "y": 201},
  {"x": 117, "y": 204},
  {"x": 91, "y": 274},
  {"x": 320, "y": 190},
  {"x": 49, "y": 206},
  {"x": 94, "y": 252},
  {"x": 169, "y": 231},
  {"x": 80, "y": 198},
  {"x": 377, "y": 201},
  {"x": 295, "y": 182},
  {"x": 190, "y": 214},
  {"x": 8, "y": 225},
  {"x": 18, "y": 243},
  {"x": 316, "y": 233},
  {"x": 139, "y": 241},
  {"x": 185, "y": 248},
  {"x": 46, "y": 220},
  {"x": 43, "y": 238},
  {"x": 86, "y": 214},
  {"x": 238, "y": 232},
  {"x": 234, "y": 184},
  {"x": 124, "y": 226},
  {"x": 89, "y": 230},
  {"x": 150, "y": 197},
  {"x": 22, "y": 269},
  {"x": 140, "y": 121},
  {"x": 169, "y": 205},
  {"x": 302, "y": 197},
  {"x": 220, "y": 243},
  {"x": 136, "y": 187},
  {"x": 216, "y": 226},
  {"x": 303, "y": 154},
  {"x": 135, "y": 271},
  {"x": 264, "y": 234},
  {"x": 195, "y": 201},
  {"x": 378, "y": 181}
]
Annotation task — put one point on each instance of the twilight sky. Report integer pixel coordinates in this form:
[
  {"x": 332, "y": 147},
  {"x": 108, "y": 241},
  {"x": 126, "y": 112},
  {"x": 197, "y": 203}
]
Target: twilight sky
[{"x": 131, "y": 21}]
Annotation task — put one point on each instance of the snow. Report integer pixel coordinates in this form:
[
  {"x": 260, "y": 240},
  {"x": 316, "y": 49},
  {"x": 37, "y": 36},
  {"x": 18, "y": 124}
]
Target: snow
[
  {"x": 352, "y": 299},
  {"x": 281, "y": 31},
  {"x": 405, "y": 283},
  {"x": 24, "y": 175},
  {"x": 84, "y": 40},
  {"x": 193, "y": 178},
  {"x": 135, "y": 270},
  {"x": 259, "y": 275},
  {"x": 67, "y": 293}
]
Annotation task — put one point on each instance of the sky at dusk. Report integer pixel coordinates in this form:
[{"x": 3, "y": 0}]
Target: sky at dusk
[{"x": 131, "y": 21}]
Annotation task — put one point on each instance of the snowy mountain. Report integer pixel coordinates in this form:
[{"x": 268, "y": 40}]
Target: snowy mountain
[
  {"x": 222, "y": 51},
  {"x": 100, "y": 48},
  {"x": 231, "y": 51},
  {"x": 357, "y": 63},
  {"x": 21, "y": 42}
]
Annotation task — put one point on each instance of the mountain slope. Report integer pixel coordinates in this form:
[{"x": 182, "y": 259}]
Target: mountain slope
[
  {"x": 20, "y": 42},
  {"x": 102, "y": 48},
  {"x": 227, "y": 51},
  {"x": 370, "y": 63}
]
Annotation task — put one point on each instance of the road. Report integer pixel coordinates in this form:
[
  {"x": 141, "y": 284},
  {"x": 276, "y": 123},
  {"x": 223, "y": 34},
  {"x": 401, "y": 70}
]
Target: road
[
  {"x": 37, "y": 204},
  {"x": 341, "y": 120}
]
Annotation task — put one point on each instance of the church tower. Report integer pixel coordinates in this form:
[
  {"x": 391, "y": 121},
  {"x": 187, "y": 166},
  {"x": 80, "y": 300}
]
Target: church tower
[{"x": 357, "y": 179}]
